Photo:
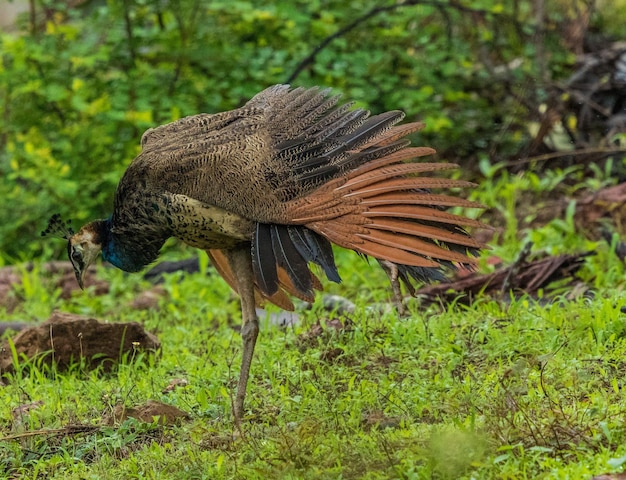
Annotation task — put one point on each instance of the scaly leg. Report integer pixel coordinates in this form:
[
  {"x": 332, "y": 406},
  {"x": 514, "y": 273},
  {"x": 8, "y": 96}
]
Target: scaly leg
[
  {"x": 391, "y": 269},
  {"x": 241, "y": 264}
]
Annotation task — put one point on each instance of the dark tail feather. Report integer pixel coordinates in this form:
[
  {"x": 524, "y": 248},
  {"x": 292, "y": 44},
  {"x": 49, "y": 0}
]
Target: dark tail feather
[
  {"x": 315, "y": 248},
  {"x": 290, "y": 259},
  {"x": 406, "y": 273},
  {"x": 373, "y": 128},
  {"x": 321, "y": 168},
  {"x": 264, "y": 260}
]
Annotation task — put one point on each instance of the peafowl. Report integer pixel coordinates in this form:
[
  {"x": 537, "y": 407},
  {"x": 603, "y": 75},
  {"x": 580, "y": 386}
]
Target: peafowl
[{"x": 266, "y": 189}]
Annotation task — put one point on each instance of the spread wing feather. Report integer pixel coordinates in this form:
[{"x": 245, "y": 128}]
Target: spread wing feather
[{"x": 386, "y": 208}]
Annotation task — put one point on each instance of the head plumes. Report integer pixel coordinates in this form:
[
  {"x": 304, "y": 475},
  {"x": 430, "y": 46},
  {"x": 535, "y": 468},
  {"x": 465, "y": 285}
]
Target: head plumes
[{"x": 58, "y": 227}]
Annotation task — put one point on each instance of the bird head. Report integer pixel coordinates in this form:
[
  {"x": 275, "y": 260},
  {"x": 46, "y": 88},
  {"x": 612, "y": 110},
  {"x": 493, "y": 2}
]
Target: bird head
[{"x": 83, "y": 246}]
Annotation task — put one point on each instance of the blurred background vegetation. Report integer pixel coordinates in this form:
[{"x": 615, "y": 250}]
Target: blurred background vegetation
[{"x": 80, "y": 80}]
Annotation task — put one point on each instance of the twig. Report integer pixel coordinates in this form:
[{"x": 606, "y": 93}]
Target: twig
[
  {"x": 550, "y": 156},
  {"x": 514, "y": 268},
  {"x": 32, "y": 18},
  {"x": 69, "y": 430},
  {"x": 51, "y": 335},
  {"x": 128, "y": 25}
]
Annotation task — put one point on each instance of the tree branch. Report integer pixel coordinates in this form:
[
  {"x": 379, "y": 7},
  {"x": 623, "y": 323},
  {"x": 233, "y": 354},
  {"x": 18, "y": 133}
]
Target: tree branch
[
  {"x": 342, "y": 31},
  {"x": 310, "y": 58}
]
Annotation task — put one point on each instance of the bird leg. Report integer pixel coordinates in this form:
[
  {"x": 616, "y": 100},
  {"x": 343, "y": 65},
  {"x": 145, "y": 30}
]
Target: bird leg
[
  {"x": 241, "y": 264},
  {"x": 391, "y": 269}
]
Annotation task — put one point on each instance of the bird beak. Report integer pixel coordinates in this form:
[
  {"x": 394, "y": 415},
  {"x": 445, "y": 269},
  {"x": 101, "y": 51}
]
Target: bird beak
[
  {"x": 75, "y": 255},
  {"x": 80, "y": 277}
]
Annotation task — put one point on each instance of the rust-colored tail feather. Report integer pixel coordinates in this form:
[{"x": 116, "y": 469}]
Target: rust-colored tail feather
[
  {"x": 396, "y": 157},
  {"x": 393, "y": 170},
  {"x": 429, "y": 214},
  {"x": 408, "y": 183},
  {"x": 410, "y": 198},
  {"x": 397, "y": 132},
  {"x": 426, "y": 231}
]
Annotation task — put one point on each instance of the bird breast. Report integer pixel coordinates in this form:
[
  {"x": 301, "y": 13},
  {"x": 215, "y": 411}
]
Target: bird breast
[{"x": 206, "y": 226}]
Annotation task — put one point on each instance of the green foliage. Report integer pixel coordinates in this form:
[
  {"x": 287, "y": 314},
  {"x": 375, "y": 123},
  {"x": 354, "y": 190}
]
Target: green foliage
[
  {"x": 498, "y": 390},
  {"x": 519, "y": 200},
  {"x": 79, "y": 88}
]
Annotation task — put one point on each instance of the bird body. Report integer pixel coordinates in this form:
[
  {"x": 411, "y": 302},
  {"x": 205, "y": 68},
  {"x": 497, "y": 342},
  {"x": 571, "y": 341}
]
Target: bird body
[{"x": 267, "y": 188}]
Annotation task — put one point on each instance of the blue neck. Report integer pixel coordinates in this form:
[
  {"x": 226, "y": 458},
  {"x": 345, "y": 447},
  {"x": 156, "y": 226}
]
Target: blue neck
[
  {"x": 127, "y": 252},
  {"x": 119, "y": 258}
]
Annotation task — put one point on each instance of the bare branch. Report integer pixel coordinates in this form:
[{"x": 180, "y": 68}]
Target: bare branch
[{"x": 441, "y": 6}]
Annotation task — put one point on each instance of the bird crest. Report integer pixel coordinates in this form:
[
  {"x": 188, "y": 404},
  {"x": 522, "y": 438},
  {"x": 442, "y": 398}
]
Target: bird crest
[{"x": 58, "y": 227}]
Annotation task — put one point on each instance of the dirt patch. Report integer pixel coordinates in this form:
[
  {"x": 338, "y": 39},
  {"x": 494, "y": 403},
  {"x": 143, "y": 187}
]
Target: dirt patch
[
  {"x": 60, "y": 273},
  {"x": 67, "y": 338},
  {"x": 148, "y": 299},
  {"x": 9, "y": 278},
  {"x": 377, "y": 419},
  {"x": 147, "y": 412}
]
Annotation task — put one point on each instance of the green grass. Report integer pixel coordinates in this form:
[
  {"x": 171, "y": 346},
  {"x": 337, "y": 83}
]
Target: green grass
[{"x": 503, "y": 389}]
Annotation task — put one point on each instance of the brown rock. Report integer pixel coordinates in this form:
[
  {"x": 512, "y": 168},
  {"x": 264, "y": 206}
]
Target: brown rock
[
  {"x": 174, "y": 384},
  {"x": 66, "y": 338},
  {"x": 9, "y": 276}
]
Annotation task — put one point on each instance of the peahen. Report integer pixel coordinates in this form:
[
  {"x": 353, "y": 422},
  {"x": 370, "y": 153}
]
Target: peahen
[{"x": 266, "y": 189}]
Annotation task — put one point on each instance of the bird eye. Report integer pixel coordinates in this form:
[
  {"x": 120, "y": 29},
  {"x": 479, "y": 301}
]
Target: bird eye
[{"x": 75, "y": 255}]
